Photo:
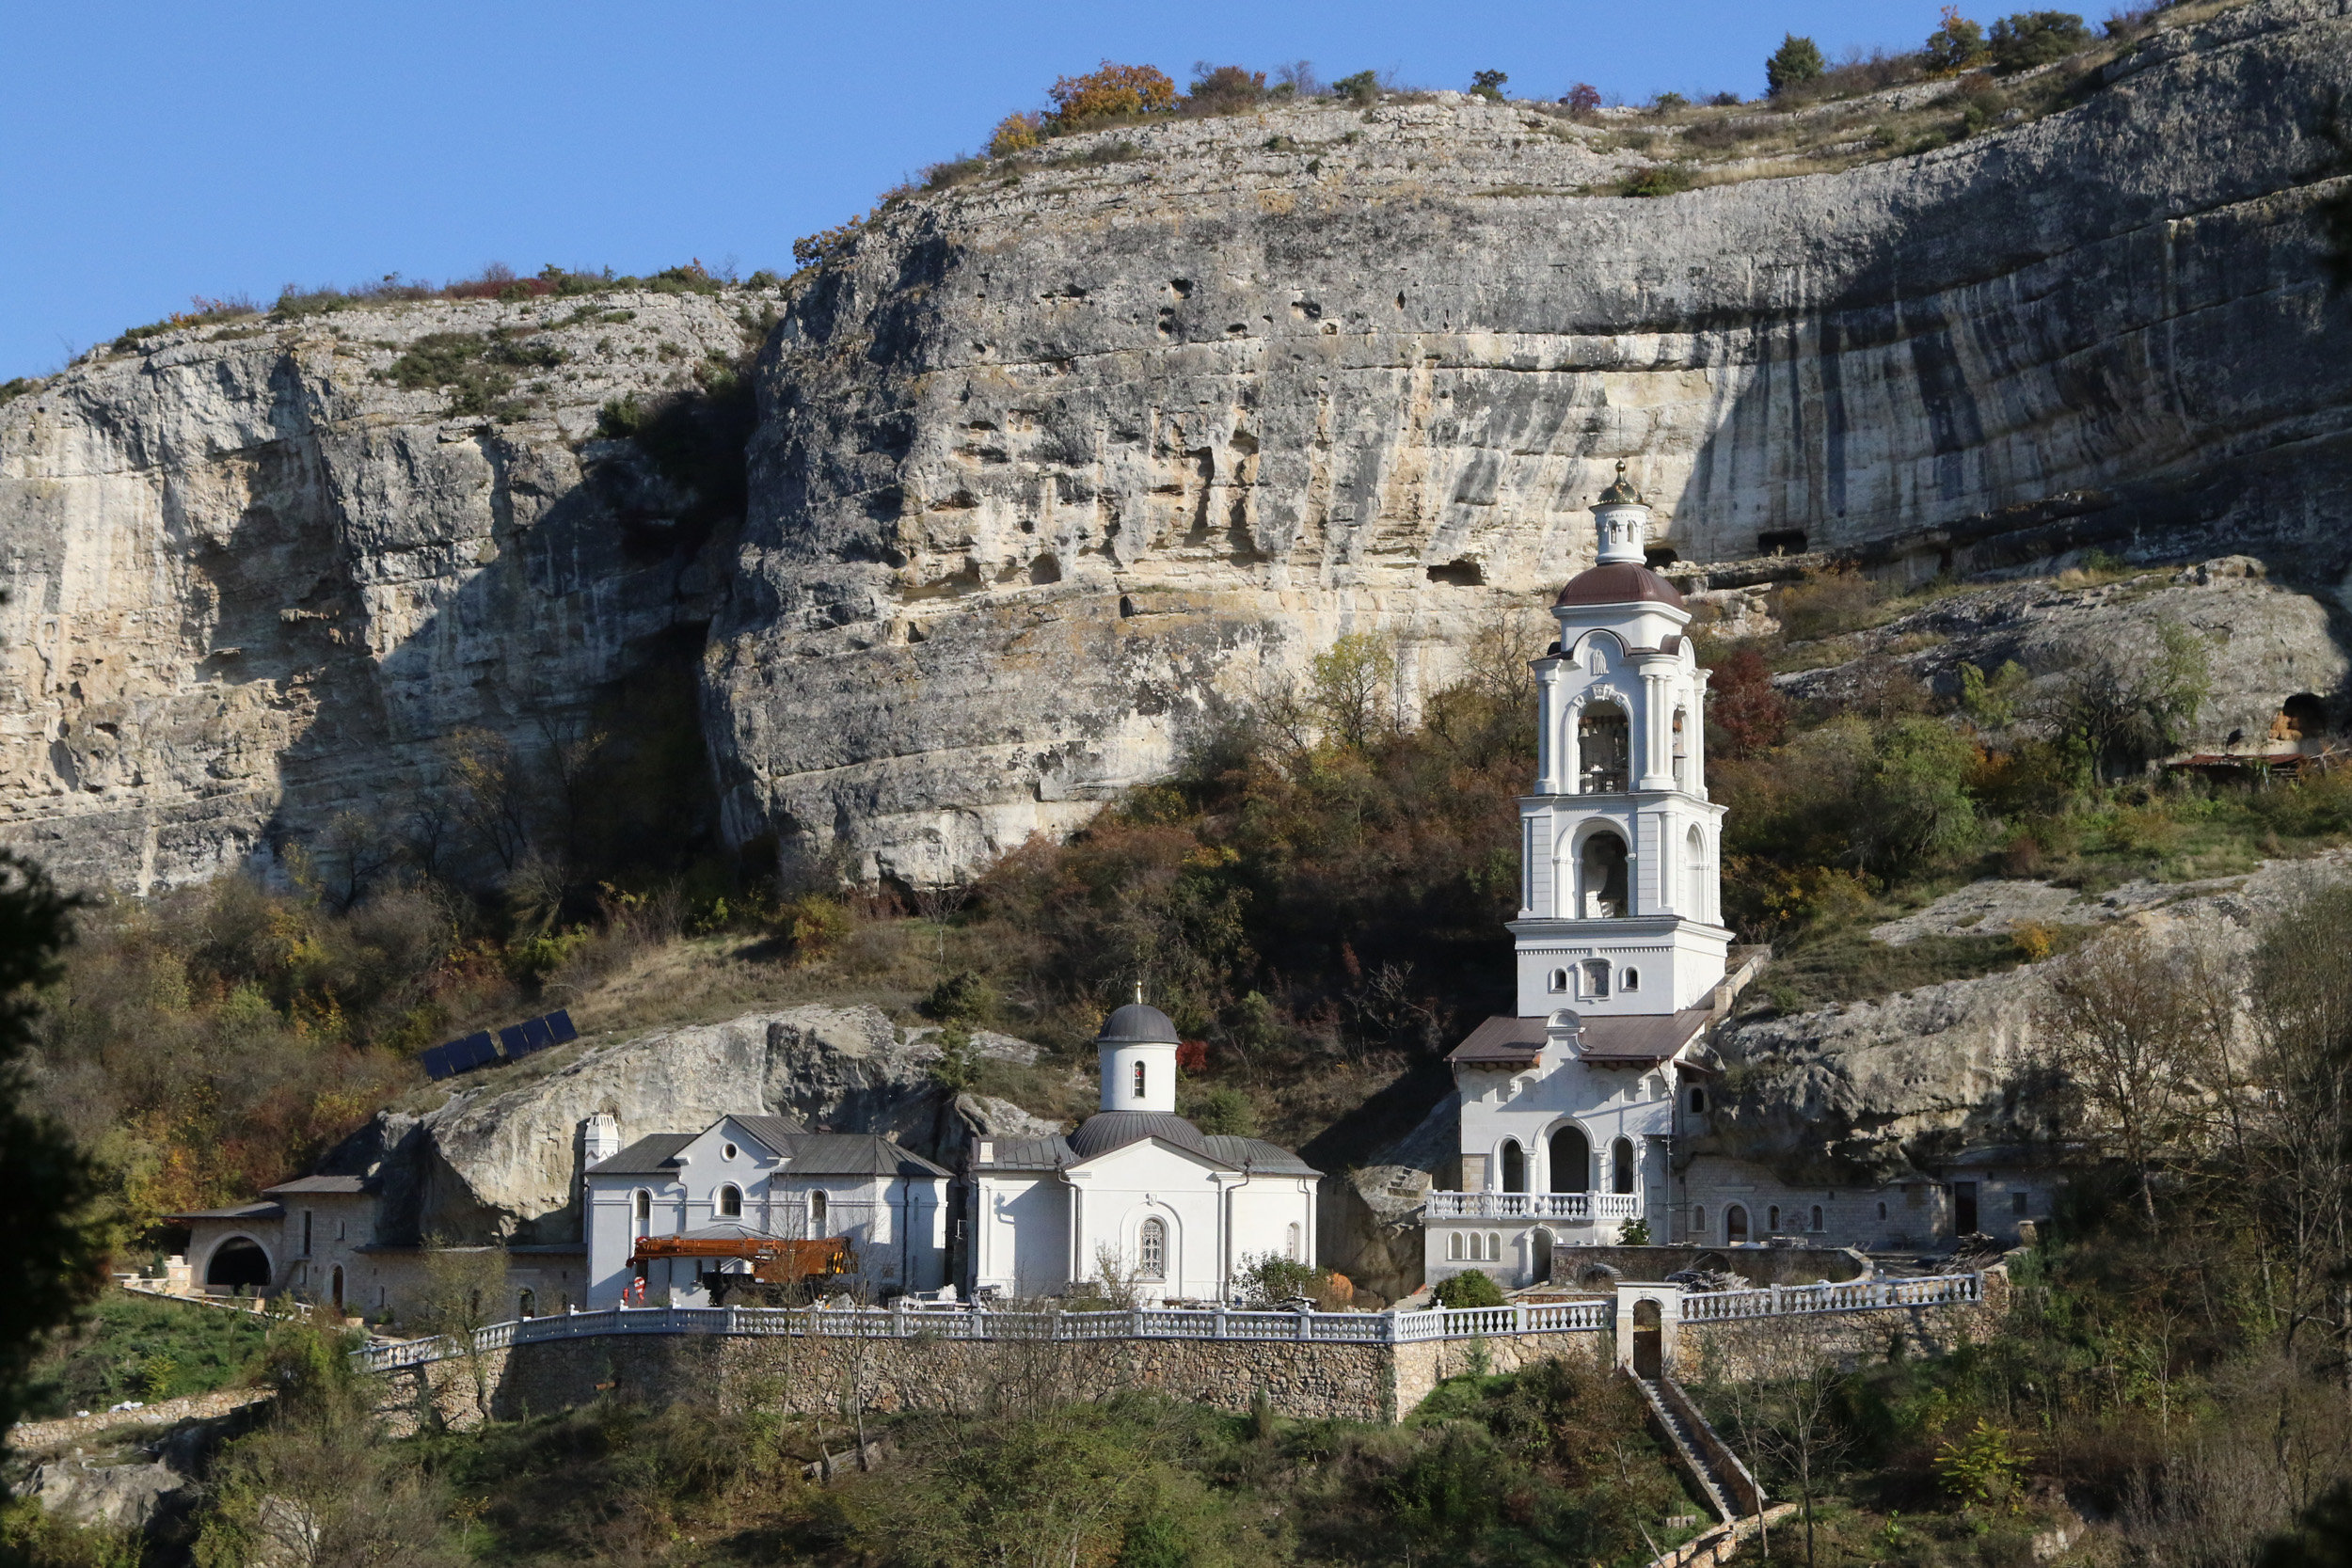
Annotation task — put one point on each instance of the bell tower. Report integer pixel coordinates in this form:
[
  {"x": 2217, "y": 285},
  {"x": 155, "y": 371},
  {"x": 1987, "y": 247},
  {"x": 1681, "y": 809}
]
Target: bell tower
[{"x": 1619, "y": 907}]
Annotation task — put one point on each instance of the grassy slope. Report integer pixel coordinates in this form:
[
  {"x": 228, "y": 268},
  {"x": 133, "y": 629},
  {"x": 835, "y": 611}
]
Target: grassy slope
[{"x": 131, "y": 1347}]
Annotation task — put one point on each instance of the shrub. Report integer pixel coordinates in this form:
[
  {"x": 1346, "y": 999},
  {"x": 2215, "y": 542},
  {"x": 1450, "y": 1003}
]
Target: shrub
[
  {"x": 965, "y": 997},
  {"x": 813, "y": 925},
  {"x": 1111, "y": 91},
  {"x": 1472, "y": 1288},
  {"x": 1829, "y": 604},
  {"x": 1015, "y": 133},
  {"x": 1224, "y": 89},
  {"x": 1667, "y": 102},
  {"x": 828, "y": 245},
  {"x": 1225, "y": 1110},
  {"x": 1956, "y": 44},
  {"x": 1658, "y": 179},
  {"x": 1361, "y": 89},
  {"x": 2033, "y": 941},
  {"x": 1582, "y": 99},
  {"x": 2029, "y": 39},
  {"x": 1795, "y": 61},
  {"x": 1915, "y": 799},
  {"x": 1489, "y": 84},
  {"x": 1270, "y": 1278}
]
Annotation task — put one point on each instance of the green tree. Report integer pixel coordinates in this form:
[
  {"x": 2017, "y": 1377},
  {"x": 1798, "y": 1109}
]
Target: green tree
[
  {"x": 1471, "y": 1288},
  {"x": 2028, "y": 39},
  {"x": 1352, "y": 686},
  {"x": 2125, "y": 708},
  {"x": 1796, "y": 61},
  {"x": 1361, "y": 89},
  {"x": 1956, "y": 44},
  {"x": 1916, "y": 803},
  {"x": 1489, "y": 84},
  {"x": 51, "y": 1225}
]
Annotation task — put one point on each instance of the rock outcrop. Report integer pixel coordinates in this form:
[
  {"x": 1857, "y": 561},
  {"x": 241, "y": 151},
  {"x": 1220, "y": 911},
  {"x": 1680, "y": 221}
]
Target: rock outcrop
[
  {"x": 1051, "y": 466},
  {"x": 252, "y": 583},
  {"x": 501, "y": 1159}
]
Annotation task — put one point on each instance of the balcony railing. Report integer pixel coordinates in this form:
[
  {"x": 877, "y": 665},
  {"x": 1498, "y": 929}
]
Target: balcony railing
[{"x": 1532, "y": 1206}]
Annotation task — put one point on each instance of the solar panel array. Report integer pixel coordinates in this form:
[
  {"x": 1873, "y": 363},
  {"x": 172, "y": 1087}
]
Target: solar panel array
[{"x": 513, "y": 1042}]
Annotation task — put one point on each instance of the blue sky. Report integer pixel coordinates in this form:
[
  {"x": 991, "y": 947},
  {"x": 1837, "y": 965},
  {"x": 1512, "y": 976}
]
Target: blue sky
[{"x": 155, "y": 151}]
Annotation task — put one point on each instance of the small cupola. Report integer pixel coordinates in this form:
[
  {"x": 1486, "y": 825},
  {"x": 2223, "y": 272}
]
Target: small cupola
[
  {"x": 1137, "y": 1051},
  {"x": 1623, "y": 517}
]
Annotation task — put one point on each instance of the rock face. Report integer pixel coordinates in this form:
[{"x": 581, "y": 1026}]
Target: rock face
[
  {"x": 1050, "y": 467},
  {"x": 251, "y": 583},
  {"x": 500, "y": 1161},
  {"x": 1882, "y": 1090}
]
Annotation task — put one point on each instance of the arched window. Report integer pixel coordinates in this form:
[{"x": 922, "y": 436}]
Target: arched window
[
  {"x": 1621, "y": 1165},
  {"x": 527, "y": 1305},
  {"x": 1571, "y": 1161},
  {"x": 816, "y": 1215},
  {"x": 1139, "y": 1081},
  {"x": 1596, "y": 978},
  {"x": 644, "y": 1211},
  {"x": 1698, "y": 1101},
  {"x": 1152, "y": 1250},
  {"x": 1694, "y": 875},
  {"x": 1735, "y": 1224},
  {"x": 730, "y": 1204},
  {"x": 1682, "y": 748},
  {"x": 1657, "y": 1086},
  {"x": 1603, "y": 749},
  {"x": 1817, "y": 1217},
  {"x": 1454, "y": 1247},
  {"x": 1559, "y": 980},
  {"x": 1602, "y": 878},
  {"x": 1291, "y": 1248},
  {"x": 1513, "y": 1167},
  {"x": 1771, "y": 1218},
  {"x": 1494, "y": 1247},
  {"x": 1698, "y": 1222},
  {"x": 1881, "y": 1208},
  {"x": 1633, "y": 979}
]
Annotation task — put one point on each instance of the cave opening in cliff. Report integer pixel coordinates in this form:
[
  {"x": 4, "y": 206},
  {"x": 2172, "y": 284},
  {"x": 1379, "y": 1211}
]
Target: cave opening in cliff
[{"x": 1786, "y": 541}]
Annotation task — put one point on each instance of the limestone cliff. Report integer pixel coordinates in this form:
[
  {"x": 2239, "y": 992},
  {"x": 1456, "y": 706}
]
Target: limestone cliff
[
  {"x": 252, "y": 580},
  {"x": 1049, "y": 466}
]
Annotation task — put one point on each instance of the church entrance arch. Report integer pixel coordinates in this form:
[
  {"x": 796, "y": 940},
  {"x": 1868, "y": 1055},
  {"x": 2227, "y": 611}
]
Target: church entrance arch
[
  {"x": 1649, "y": 1339},
  {"x": 1735, "y": 1224},
  {"x": 1513, "y": 1167},
  {"x": 238, "y": 1261},
  {"x": 1571, "y": 1161}
]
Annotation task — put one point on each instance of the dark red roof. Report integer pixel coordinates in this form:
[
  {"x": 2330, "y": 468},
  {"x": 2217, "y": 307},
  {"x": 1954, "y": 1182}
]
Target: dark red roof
[
  {"x": 1643, "y": 1038},
  {"x": 1619, "y": 582}
]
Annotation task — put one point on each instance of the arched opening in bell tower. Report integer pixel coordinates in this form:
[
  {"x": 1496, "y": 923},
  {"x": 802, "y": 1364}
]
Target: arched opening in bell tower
[
  {"x": 1602, "y": 877},
  {"x": 1682, "y": 748},
  {"x": 1604, "y": 749},
  {"x": 1694, "y": 875}
]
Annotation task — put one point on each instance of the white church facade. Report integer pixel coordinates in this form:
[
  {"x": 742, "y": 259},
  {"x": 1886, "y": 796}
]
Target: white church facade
[{"x": 1178, "y": 1213}]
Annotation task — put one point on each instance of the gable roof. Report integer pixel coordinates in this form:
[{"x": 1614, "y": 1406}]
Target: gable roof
[
  {"x": 238, "y": 1211},
  {"x": 1622, "y": 1040},
  {"x": 1023, "y": 1153},
  {"x": 775, "y": 1131},
  {"x": 317, "y": 1185},
  {"x": 1258, "y": 1155},
  {"x": 651, "y": 1155}
]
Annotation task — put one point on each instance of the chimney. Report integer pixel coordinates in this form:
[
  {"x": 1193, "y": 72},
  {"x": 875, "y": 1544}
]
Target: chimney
[{"x": 600, "y": 1137}]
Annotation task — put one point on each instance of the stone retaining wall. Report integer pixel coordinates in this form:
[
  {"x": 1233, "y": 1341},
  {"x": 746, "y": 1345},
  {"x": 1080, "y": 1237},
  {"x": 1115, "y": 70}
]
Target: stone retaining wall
[{"x": 814, "y": 1374}]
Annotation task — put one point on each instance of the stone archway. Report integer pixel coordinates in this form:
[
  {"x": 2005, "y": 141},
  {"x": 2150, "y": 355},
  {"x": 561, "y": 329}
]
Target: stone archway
[
  {"x": 1539, "y": 1255},
  {"x": 238, "y": 1261},
  {"x": 1649, "y": 1339},
  {"x": 1571, "y": 1161}
]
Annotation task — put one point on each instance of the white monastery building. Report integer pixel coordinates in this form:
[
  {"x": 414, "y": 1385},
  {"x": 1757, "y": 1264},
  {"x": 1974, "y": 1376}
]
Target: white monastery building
[
  {"x": 747, "y": 1177},
  {"x": 1578, "y": 1112},
  {"x": 1179, "y": 1212}
]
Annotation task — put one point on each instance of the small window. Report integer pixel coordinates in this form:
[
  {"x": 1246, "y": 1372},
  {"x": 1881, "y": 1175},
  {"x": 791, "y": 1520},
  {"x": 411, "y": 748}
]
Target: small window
[
  {"x": 1559, "y": 981},
  {"x": 1698, "y": 1101},
  {"x": 1882, "y": 1209},
  {"x": 2017, "y": 1204},
  {"x": 306, "y": 1233},
  {"x": 1633, "y": 979},
  {"x": 1657, "y": 1086},
  {"x": 1772, "y": 1217},
  {"x": 1454, "y": 1247},
  {"x": 730, "y": 1203},
  {"x": 1152, "y": 1250},
  {"x": 1816, "y": 1219},
  {"x": 1291, "y": 1250},
  {"x": 1139, "y": 1081},
  {"x": 730, "y": 1151},
  {"x": 1698, "y": 1222},
  {"x": 644, "y": 1206},
  {"x": 1494, "y": 1247},
  {"x": 1597, "y": 978},
  {"x": 816, "y": 1215},
  {"x": 342, "y": 1231},
  {"x": 527, "y": 1305}
]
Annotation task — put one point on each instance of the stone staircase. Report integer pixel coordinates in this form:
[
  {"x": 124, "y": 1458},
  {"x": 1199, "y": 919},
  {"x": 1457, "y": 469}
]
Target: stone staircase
[{"x": 1701, "y": 1454}]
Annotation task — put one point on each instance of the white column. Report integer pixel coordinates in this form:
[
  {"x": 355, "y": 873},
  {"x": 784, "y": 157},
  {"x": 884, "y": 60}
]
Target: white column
[{"x": 1548, "y": 718}]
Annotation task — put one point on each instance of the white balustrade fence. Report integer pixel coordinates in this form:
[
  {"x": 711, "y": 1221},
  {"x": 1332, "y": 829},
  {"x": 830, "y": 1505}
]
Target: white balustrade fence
[
  {"x": 1530, "y": 1206},
  {"x": 908, "y": 1320}
]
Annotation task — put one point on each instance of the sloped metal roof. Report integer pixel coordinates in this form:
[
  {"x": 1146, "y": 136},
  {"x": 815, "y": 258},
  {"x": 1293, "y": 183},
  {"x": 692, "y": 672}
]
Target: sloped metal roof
[
  {"x": 651, "y": 1155},
  {"x": 1023, "y": 1153},
  {"x": 324, "y": 1184},
  {"x": 1259, "y": 1155},
  {"x": 1106, "y": 1130}
]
